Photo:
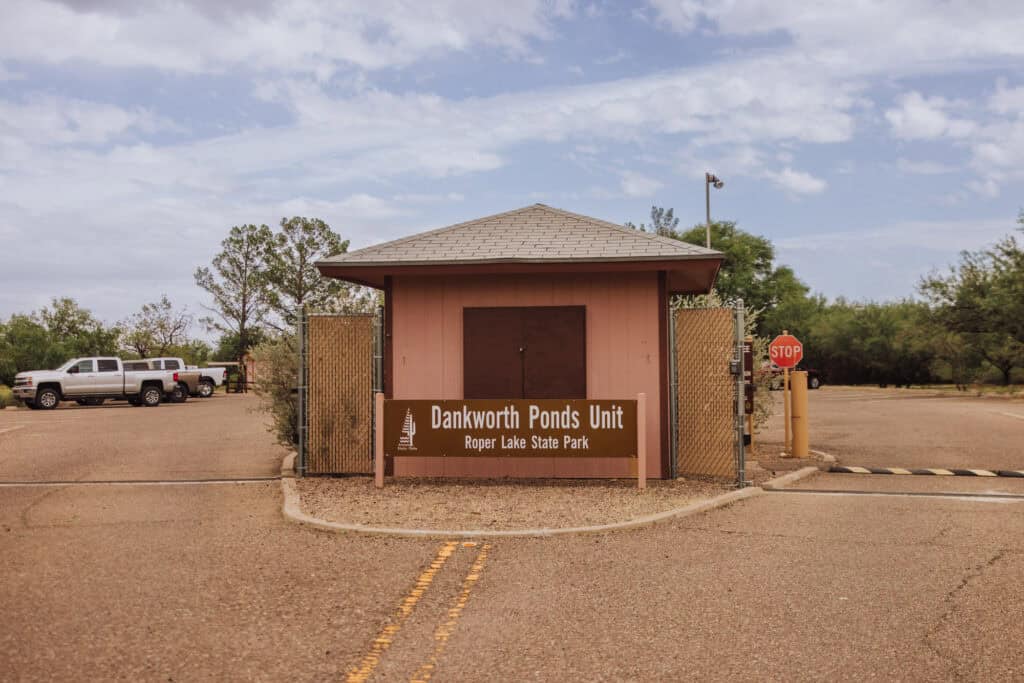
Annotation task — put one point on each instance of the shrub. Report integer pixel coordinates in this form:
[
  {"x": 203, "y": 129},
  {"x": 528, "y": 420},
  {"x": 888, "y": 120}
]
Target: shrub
[
  {"x": 6, "y": 397},
  {"x": 276, "y": 385}
]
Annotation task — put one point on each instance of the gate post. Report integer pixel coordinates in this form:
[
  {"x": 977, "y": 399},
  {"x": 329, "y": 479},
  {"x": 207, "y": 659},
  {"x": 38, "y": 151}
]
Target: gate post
[
  {"x": 300, "y": 469},
  {"x": 740, "y": 418},
  {"x": 673, "y": 396}
]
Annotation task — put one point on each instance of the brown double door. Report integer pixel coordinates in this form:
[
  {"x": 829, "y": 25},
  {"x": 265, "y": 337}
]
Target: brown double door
[{"x": 524, "y": 352}]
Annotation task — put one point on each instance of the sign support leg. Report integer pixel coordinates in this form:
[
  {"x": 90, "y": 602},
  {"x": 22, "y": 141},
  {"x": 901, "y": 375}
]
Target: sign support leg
[
  {"x": 378, "y": 438},
  {"x": 799, "y": 395},
  {"x": 787, "y": 411},
  {"x": 641, "y": 441}
]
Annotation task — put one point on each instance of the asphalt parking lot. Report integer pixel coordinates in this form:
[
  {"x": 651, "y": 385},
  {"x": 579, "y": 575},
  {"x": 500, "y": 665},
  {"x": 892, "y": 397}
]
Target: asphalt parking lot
[
  {"x": 185, "y": 580},
  {"x": 910, "y": 428}
]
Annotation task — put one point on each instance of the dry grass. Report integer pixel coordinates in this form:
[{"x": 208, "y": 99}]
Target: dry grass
[{"x": 495, "y": 504}]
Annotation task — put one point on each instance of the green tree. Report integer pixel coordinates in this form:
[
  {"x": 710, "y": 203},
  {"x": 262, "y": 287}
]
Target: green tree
[
  {"x": 155, "y": 329},
  {"x": 748, "y": 271},
  {"x": 46, "y": 339},
  {"x": 26, "y": 345},
  {"x": 192, "y": 351},
  {"x": 663, "y": 222},
  {"x": 275, "y": 387},
  {"x": 237, "y": 284},
  {"x": 982, "y": 300},
  {"x": 855, "y": 343},
  {"x": 75, "y": 331},
  {"x": 292, "y": 279},
  {"x": 229, "y": 346}
]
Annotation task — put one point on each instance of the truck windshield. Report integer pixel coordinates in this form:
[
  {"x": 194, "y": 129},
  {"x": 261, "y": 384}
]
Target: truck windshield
[{"x": 67, "y": 365}]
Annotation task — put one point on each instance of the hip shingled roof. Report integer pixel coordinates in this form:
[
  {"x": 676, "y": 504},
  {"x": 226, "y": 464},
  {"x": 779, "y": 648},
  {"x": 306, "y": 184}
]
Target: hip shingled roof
[{"x": 534, "y": 233}]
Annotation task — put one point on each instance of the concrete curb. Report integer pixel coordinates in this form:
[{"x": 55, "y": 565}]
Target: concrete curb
[
  {"x": 779, "y": 483},
  {"x": 288, "y": 466},
  {"x": 293, "y": 512},
  {"x": 827, "y": 457}
]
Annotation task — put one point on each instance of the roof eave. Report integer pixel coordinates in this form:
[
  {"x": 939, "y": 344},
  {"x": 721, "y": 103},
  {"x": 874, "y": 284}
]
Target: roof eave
[
  {"x": 691, "y": 274},
  {"x": 345, "y": 263}
]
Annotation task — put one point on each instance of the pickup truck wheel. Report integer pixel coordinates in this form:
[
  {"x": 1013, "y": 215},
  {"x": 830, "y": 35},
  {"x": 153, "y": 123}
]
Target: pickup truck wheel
[
  {"x": 205, "y": 389},
  {"x": 180, "y": 393},
  {"x": 47, "y": 399},
  {"x": 151, "y": 396},
  {"x": 814, "y": 383}
]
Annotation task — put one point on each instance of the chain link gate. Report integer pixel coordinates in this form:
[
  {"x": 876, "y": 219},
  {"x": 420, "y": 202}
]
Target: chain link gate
[
  {"x": 706, "y": 392},
  {"x": 340, "y": 369}
]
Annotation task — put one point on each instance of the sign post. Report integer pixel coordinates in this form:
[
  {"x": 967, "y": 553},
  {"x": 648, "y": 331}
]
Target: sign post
[
  {"x": 786, "y": 352},
  {"x": 378, "y": 440}
]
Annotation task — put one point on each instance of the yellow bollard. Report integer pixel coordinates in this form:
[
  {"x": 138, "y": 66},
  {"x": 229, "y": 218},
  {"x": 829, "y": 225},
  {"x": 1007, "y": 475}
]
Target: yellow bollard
[{"x": 799, "y": 413}]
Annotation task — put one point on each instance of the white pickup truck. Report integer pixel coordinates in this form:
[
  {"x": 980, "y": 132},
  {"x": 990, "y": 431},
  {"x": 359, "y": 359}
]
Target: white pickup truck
[
  {"x": 209, "y": 378},
  {"x": 89, "y": 380}
]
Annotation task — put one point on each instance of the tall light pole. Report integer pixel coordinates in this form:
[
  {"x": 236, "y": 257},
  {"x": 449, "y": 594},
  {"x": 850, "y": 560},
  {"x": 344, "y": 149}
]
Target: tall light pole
[{"x": 709, "y": 180}]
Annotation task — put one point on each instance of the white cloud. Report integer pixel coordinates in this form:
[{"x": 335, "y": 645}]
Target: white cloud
[
  {"x": 796, "y": 182},
  {"x": 312, "y": 37},
  {"x": 51, "y": 121},
  {"x": 1007, "y": 100},
  {"x": 638, "y": 185},
  {"x": 923, "y": 167},
  {"x": 987, "y": 187},
  {"x": 925, "y": 118},
  {"x": 870, "y": 36}
]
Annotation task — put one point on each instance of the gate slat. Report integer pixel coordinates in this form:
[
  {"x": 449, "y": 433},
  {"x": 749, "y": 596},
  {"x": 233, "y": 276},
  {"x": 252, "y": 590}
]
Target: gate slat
[
  {"x": 340, "y": 394},
  {"x": 706, "y": 391}
]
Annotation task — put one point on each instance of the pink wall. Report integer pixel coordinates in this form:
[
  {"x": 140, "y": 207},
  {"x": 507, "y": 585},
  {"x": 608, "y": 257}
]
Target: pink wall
[{"x": 622, "y": 355}]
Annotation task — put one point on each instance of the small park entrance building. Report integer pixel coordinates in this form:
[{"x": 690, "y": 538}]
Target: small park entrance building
[{"x": 535, "y": 303}]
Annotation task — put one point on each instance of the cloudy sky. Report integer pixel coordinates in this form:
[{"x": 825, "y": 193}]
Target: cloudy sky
[{"x": 870, "y": 142}]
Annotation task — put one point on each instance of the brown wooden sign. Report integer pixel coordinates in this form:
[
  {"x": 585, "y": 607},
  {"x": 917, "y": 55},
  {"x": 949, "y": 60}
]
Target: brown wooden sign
[{"x": 513, "y": 427}]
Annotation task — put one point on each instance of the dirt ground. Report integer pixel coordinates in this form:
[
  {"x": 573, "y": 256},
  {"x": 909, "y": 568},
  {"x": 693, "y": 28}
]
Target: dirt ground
[{"x": 495, "y": 504}]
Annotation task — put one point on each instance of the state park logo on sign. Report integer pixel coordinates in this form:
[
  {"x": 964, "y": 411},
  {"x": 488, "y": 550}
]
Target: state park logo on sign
[
  {"x": 514, "y": 427},
  {"x": 405, "y": 441}
]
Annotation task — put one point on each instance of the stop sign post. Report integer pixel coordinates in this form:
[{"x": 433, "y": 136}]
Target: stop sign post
[{"x": 786, "y": 351}]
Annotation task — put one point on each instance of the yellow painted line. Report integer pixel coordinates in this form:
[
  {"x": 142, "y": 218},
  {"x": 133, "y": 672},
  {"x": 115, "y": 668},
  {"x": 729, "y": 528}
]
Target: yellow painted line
[
  {"x": 382, "y": 642},
  {"x": 899, "y": 470},
  {"x": 941, "y": 472},
  {"x": 859, "y": 470},
  {"x": 984, "y": 473},
  {"x": 445, "y": 630}
]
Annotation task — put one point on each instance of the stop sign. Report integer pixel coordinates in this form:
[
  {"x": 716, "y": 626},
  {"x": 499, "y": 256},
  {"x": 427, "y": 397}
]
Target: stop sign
[{"x": 786, "y": 351}]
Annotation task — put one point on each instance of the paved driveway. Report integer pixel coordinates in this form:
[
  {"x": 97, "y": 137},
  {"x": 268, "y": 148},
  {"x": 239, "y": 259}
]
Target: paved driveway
[
  {"x": 911, "y": 428},
  {"x": 208, "y": 438},
  {"x": 187, "y": 581}
]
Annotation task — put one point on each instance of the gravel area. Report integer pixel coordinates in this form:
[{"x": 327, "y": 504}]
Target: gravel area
[{"x": 495, "y": 504}]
